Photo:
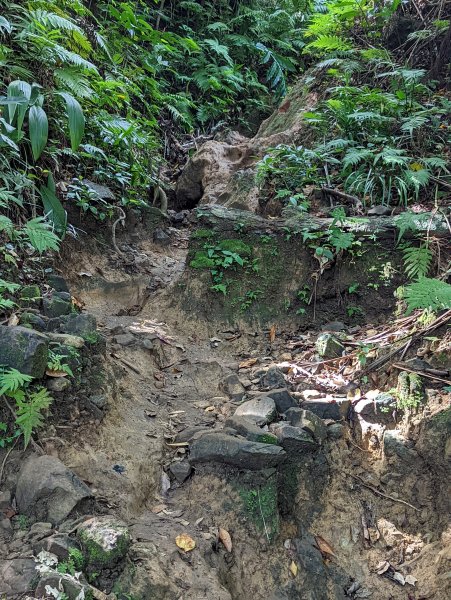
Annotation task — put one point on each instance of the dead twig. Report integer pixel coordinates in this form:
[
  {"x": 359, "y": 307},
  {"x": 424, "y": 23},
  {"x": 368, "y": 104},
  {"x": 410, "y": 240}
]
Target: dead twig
[
  {"x": 422, "y": 373},
  {"x": 341, "y": 195},
  {"x": 377, "y": 492},
  {"x": 126, "y": 363},
  {"x": 5, "y": 459},
  {"x": 120, "y": 219}
]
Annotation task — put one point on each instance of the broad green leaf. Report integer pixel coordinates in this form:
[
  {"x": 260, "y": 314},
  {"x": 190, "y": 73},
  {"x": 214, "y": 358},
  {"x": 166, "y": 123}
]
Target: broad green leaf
[
  {"x": 76, "y": 120},
  {"x": 18, "y": 89},
  {"x": 39, "y": 130},
  {"x": 54, "y": 209}
]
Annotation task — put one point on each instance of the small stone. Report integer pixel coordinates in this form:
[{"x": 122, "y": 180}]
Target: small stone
[
  {"x": 5, "y": 499},
  {"x": 234, "y": 451},
  {"x": 58, "y": 544},
  {"x": 30, "y": 295},
  {"x": 82, "y": 324},
  {"x": 181, "y": 470},
  {"x": 250, "y": 431},
  {"x": 160, "y": 237},
  {"x": 233, "y": 387},
  {"x": 335, "y": 431},
  {"x": 40, "y": 530},
  {"x": 293, "y": 439},
  {"x": 58, "y": 283},
  {"x": 307, "y": 421},
  {"x": 99, "y": 400},
  {"x": 74, "y": 341},
  {"x": 63, "y": 295},
  {"x": 105, "y": 541},
  {"x": 282, "y": 398},
  {"x": 379, "y": 410},
  {"x": 273, "y": 378},
  {"x": 191, "y": 433},
  {"x": 102, "y": 191},
  {"x": 64, "y": 583},
  {"x": 58, "y": 384},
  {"x": 32, "y": 321},
  {"x": 325, "y": 408},
  {"x": 285, "y": 357},
  {"x": 397, "y": 446},
  {"x": 379, "y": 211},
  {"x": 259, "y": 410},
  {"x": 333, "y": 326},
  {"x": 24, "y": 349},
  {"x": 328, "y": 346},
  {"x": 6, "y": 526},
  {"x": 124, "y": 340}
]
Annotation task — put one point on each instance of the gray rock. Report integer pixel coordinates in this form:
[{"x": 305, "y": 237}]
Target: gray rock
[
  {"x": 237, "y": 452},
  {"x": 102, "y": 191},
  {"x": 273, "y": 378},
  {"x": 261, "y": 410},
  {"x": 379, "y": 211},
  {"x": 24, "y": 349},
  {"x": 233, "y": 387},
  {"x": 32, "y": 321},
  {"x": 56, "y": 307},
  {"x": 126, "y": 339},
  {"x": 397, "y": 446},
  {"x": 47, "y": 490},
  {"x": 6, "y": 526},
  {"x": 30, "y": 296},
  {"x": 16, "y": 576},
  {"x": 181, "y": 470},
  {"x": 328, "y": 346},
  {"x": 324, "y": 408},
  {"x": 80, "y": 324},
  {"x": 379, "y": 410},
  {"x": 335, "y": 431},
  {"x": 282, "y": 398},
  {"x": 58, "y": 384},
  {"x": 58, "y": 283},
  {"x": 63, "y": 295},
  {"x": 58, "y": 544},
  {"x": 333, "y": 326},
  {"x": 74, "y": 341},
  {"x": 249, "y": 430},
  {"x": 40, "y": 530},
  {"x": 191, "y": 433},
  {"x": 161, "y": 237},
  {"x": 308, "y": 421},
  {"x": 99, "y": 400},
  {"x": 5, "y": 499},
  {"x": 105, "y": 541},
  {"x": 293, "y": 439},
  {"x": 71, "y": 588}
]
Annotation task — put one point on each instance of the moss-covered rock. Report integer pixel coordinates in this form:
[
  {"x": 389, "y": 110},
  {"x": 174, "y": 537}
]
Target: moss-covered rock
[
  {"x": 24, "y": 349},
  {"x": 105, "y": 541}
]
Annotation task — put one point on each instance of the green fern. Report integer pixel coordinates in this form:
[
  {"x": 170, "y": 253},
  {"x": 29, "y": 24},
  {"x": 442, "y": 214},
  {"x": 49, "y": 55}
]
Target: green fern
[
  {"x": 275, "y": 75},
  {"x": 11, "y": 380},
  {"x": 29, "y": 412},
  {"x": 409, "y": 221},
  {"x": 417, "y": 261},
  {"x": 40, "y": 236},
  {"x": 428, "y": 293}
]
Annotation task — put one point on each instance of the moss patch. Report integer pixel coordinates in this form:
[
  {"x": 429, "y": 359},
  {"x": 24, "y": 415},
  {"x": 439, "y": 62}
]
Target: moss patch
[{"x": 261, "y": 506}]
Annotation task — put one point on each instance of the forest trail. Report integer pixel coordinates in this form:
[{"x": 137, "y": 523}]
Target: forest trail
[{"x": 169, "y": 374}]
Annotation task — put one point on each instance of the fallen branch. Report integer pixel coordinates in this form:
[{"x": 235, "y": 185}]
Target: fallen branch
[
  {"x": 120, "y": 219},
  {"x": 341, "y": 195},
  {"x": 126, "y": 363},
  {"x": 376, "y": 491},
  {"x": 422, "y": 373}
]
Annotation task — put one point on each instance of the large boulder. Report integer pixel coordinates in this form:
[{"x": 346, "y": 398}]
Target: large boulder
[
  {"x": 250, "y": 430},
  {"x": 293, "y": 439},
  {"x": 235, "y": 451},
  {"x": 48, "y": 491},
  {"x": 308, "y": 421},
  {"x": 282, "y": 398},
  {"x": 24, "y": 349}
]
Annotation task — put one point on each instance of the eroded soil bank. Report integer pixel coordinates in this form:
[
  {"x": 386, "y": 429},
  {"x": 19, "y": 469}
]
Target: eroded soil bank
[{"x": 197, "y": 413}]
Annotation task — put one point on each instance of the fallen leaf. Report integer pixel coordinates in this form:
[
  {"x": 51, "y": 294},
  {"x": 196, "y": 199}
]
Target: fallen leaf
[
  {"x": 411, "y": 580},
  {"x": 158, "y": 508},
  {"x": 272, "y": 334},
  {"x": 293, "y": 568},
  {"x": 51, "y": 373},
  {"x": 323, "y": 546},
  {"x": 185, "y": 542},
  {"x": 250, "y": 362},
  {"x": 78, "y": 303},
  {"x": 225, "y": 538},
  {"x": 210, "y": 409}
]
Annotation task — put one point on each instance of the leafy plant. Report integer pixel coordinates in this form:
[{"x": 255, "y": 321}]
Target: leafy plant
[{"x": 428, "y": 293}]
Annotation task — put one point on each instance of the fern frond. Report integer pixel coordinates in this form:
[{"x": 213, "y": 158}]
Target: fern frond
[
  {"x": 428, "y": 293},
  {"x": 29, "y": 412},
  {"x": 11, "y": 380},
  {"x": 71, "y": 79},
  {"x": 410, "y": 221},
  {"x": 40, "y": 236},
  {"x": 417, "y": 261}
]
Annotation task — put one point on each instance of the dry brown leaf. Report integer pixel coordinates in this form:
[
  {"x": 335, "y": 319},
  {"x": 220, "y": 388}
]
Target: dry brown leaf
[
  {"x": 158, "y": 508},
  {"x": 185, "y": 542},
  {"x": 250, "y": 362},
  {"x": 354, "y": 395},
  {"x": 51, "y": 373},
  {"x": 225, "y": 538},
  {"x": 272, "y": 334},
  {"x": 382, "y": 567},
  {"x": 78, "y": 303},
  {"x": 323, "y": 546},
  {"x": 293, "y": 568}
]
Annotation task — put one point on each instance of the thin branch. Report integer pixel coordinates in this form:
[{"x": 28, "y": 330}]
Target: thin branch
[{"x": 376, "y": 491}]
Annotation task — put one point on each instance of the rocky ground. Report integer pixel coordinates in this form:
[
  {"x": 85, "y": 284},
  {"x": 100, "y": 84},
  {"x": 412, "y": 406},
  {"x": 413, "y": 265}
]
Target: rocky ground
[{"x": 194, "y": 459}]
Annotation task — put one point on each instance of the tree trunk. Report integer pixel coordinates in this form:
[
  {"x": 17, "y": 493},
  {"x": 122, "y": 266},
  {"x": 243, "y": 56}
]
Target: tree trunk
[{"x": 443, "y": 59}]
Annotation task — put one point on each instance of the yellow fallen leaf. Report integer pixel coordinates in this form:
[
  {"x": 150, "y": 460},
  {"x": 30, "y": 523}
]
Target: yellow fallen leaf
[
  {"x": 354, "y": 395},
  {"x": 51, "y": 373},
  {"x": 185, "y": 542},
  {"x": 293, "y": 568},
  {"x": 225, "y": 538}
]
